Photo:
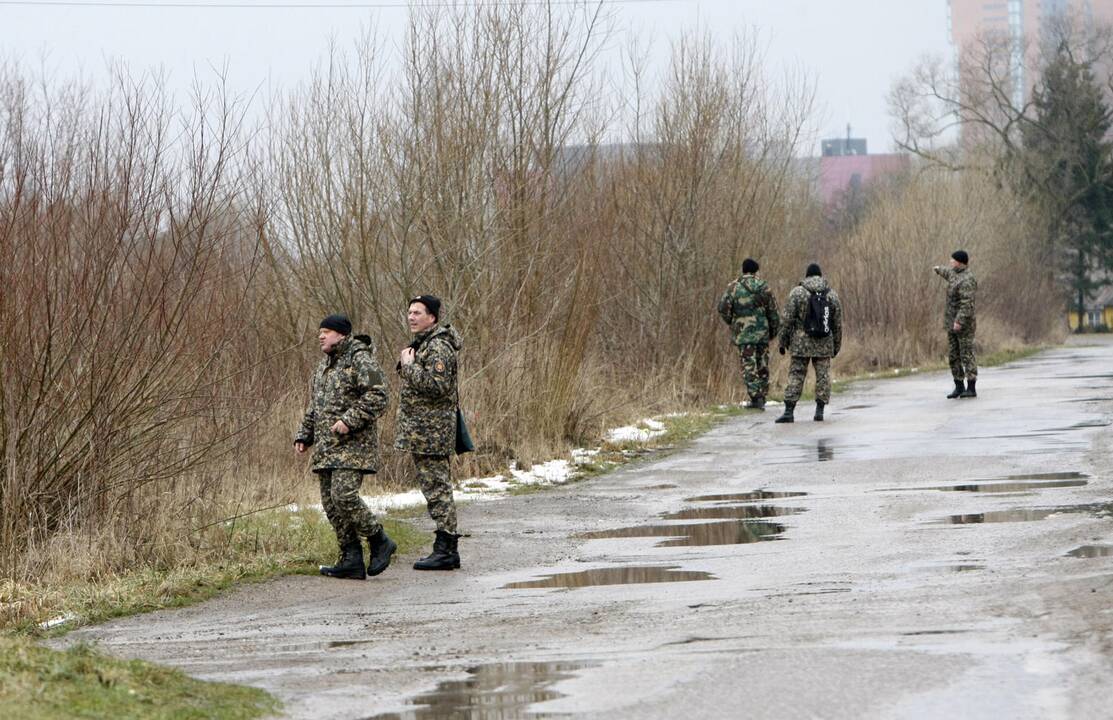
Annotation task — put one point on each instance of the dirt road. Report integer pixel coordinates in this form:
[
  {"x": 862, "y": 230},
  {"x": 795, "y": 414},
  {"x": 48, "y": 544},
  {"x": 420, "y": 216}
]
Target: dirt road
[{"x": 928, "y": 558}]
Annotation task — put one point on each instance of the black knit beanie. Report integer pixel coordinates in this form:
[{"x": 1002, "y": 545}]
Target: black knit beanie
[
  {"x": 432, "y": 304},
  {"x": 961, "y": 256},
  {"x": 750, "y": 266},
  {"x": 813, "y": 270},
  {"x": 339, "y": 323}
]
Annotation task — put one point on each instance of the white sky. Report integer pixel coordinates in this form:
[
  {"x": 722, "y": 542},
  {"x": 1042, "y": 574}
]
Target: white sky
[{"x": 852, "y": 48}]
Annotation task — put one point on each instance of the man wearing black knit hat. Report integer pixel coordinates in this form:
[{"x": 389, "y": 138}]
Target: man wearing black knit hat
[
  {"x": 811, "y": 333},
  {"x": 750, "y": 310},
  {"x": 347, "y": 396},
  {"x": 961, "y": 321}
]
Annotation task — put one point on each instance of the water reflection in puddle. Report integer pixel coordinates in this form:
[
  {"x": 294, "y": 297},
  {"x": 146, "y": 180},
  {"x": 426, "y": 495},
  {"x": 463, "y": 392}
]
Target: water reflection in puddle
[
  {"x": 1027, "y": 515},
  {"x": 637, "y": 575},
  {"x": 1009, "y": 483},
  {"x": 1091, "y": 551},
  {"x": 721, "y": 512},
  {"x": 490, "y": 692},
  {"x": 733, "y": 532},
  {"x": 743, "y": 497}
]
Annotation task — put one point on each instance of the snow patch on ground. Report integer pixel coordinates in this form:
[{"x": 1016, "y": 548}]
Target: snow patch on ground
[{"x": 644, "y": 431}]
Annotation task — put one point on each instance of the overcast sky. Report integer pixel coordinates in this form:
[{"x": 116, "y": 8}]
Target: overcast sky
[{"x": 852, "y": 48}]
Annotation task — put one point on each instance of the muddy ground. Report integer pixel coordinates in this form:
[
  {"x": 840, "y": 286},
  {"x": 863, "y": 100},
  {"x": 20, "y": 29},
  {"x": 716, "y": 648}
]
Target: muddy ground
[{"x": 930, "y": 558}]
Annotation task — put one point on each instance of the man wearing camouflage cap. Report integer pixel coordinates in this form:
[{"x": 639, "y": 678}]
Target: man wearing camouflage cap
[
  {"x": 347, "y": 396},
  {"x": 427, "y": 420}
]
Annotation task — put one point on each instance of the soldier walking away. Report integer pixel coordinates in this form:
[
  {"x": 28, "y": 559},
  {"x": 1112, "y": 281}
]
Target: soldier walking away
[
  {"x": 750, "y": 310},
  {"x": 427, "y": 421},
  {"x": 347, "y": 396},
  {"x": 812, "y": 332},
  {"x": 961, "y": 320}
]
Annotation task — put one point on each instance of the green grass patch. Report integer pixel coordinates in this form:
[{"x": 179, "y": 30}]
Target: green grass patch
[{"x": 37, "y": 683}]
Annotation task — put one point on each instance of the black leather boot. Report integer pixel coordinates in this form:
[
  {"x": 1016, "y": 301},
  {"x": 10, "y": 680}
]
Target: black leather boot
[
  {"x": 957, "y": 392},
  {"x": 444, "y": 556},
  {"x": 971, "y": 390},
  {"x": 380, "y": 547},
  {"x": 819, "y": 410},
  {"x": 786, "y": 416},
  {"x": 350, "y": 565},
  {"x": 757, "y": 402}
]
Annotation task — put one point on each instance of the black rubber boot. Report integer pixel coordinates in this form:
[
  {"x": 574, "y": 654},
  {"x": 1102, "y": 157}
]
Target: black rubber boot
[
  {"x": 350, "y": 565},
  {"x": 757, "y": 402},
  {"x": 971, "y": 390},
  {"x": 819, "y": 410},
  {"x": 380, "y": 547},
  {"x": 957, "y": 392},
  {"x": 444, "y": 555},
  {"x": 786, "y": 416}
]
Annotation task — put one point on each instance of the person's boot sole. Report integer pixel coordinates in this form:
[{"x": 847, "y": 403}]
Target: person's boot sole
[{"x": 324, "y": 570}]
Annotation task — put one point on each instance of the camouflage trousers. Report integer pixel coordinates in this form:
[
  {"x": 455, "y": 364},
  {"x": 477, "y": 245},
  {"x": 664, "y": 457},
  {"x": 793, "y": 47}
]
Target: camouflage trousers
[
  {"x": 434, "y": 476},
  {"x": 798, "y": 371},
  {"x": 964, "y": 364},
  {"x": 346, "y": 512},
  {"x": 755, "y": 369}
]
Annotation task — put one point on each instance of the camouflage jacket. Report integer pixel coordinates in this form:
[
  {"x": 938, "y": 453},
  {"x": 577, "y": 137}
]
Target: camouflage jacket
[
  {"x": 793, "y": 336},
  {"x": 347, "y": 385},
  {"x": 749, "y": 308},
  {"x": 962, "y": 286},
  {"x": 427, "y": 404}
]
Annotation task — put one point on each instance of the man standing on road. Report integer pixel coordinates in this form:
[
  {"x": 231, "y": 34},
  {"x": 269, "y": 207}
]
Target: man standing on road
[
  {"x": 750, "y": 310},
  {"x": 427, "y": 420},
  {"x": 812, "y": 332},
  {"x": 961, "y": 323},
  {"x": 347, "y": 395}
]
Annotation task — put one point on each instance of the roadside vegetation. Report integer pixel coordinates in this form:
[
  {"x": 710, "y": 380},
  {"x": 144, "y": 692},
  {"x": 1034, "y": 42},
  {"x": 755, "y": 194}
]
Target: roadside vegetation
[{"x": 166, "y": 264}]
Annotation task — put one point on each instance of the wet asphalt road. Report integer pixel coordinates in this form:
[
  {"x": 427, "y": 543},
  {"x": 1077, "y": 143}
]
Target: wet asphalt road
[{"x": 918, "y": 565}]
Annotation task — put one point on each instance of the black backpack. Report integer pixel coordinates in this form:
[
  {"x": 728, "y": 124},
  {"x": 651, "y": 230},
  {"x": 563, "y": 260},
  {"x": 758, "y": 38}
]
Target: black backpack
[{"x": 817, "y": 319}]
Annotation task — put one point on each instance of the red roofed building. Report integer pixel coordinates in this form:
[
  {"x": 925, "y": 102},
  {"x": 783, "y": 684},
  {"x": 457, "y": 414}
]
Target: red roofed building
[{"x": 846, "y": 167}]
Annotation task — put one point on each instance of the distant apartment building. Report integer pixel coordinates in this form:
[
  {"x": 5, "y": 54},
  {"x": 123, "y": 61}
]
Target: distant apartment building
[
  {"x": 1018, "y": 20},
  {"x": 847, "y": 167}
]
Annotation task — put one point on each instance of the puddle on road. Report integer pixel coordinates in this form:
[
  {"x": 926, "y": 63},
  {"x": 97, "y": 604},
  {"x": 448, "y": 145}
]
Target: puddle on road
[
  {"x": 732, "y": 532},
  {"x": 744, "y": 497},
  {"x": 637, "y": 575},
  {"x": 824, "y": 452},
  {"x": 490, "y": 692},
  {"x": 1027, "y": 515},
  {"x": 666, "y": 486},
  {"x": 722, "y": 512},
  {"x": 1091, "y": 551},
  {"x": 1010, "y": 483}
]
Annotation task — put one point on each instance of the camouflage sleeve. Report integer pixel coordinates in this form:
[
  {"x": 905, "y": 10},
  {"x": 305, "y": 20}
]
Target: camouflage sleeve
[
  {"x": 836, "y": 321},
  {"x": 788, "y": 324},
  {"x": 370, "y": 385},
  {"x": 943, "y": 271},
  {"x": 726, "y": 305},
  {"x": 305, "y": 432},
  {"x": 965, "y": 308},
  {"x": 772, "y": 315},
  {"x": 435, "y": 376}
]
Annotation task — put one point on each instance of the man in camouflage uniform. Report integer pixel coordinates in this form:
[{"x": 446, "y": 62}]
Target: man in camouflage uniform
[
  {"x": 347, "y": 396},
  {"x": 427, "y": 420},
  {"x": 804, "y": 347},
  {"x": 749, "y": 308},
  {"x": 961, "y": 322}
]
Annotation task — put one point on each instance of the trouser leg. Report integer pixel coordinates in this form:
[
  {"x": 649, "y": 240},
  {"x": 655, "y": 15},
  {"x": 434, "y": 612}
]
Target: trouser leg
[
  {"x": 954, "y": 357},
  {"x": 434, "y": 476},
  {"x": 344, "y": 532},
  {"x": 797, "y": 371},
  {"x": 822, "y": 379},
  {"x": 966, "y": 355},
  {"x": 755, "y": 369},
  {"x": 355, "y": 513}
]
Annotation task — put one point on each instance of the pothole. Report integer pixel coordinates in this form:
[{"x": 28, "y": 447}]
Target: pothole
[
  {"x": 490, "y": 692},
  {"x": 733, "y": 532},
  {"x": 1091, "y": 551},
  {"x": 722, "y": 512},
  {"x": 636, "y": 575},
  {"x": 746, "y": 496}
]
